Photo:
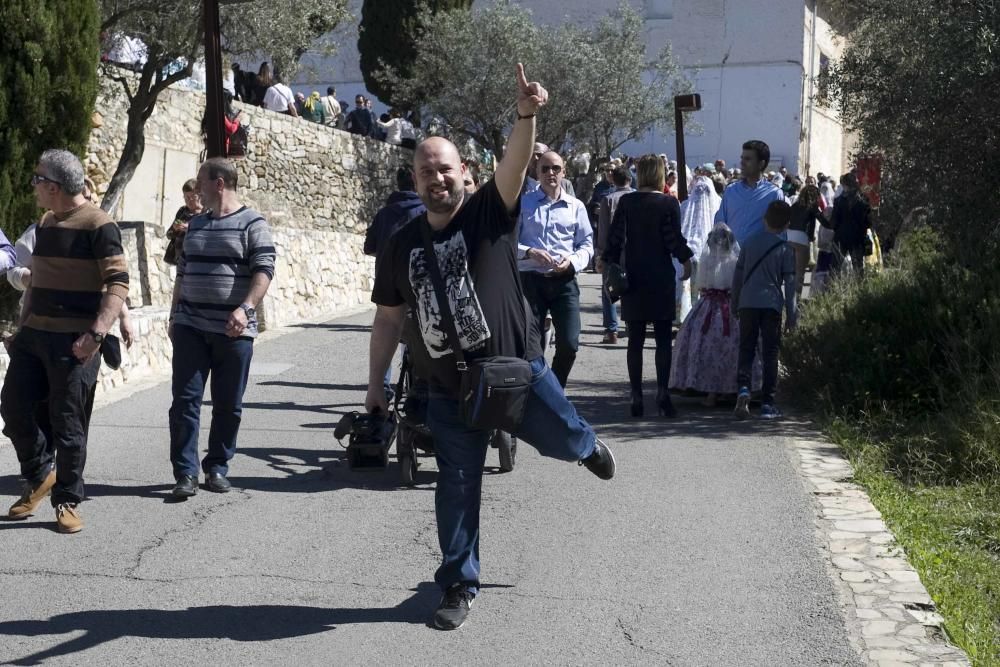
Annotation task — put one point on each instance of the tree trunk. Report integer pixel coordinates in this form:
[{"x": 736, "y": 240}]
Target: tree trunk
[
  {"x": 498, "y": 143},
  {"x": 140, "y": 108},
  {"x": 135, "y": 146}
]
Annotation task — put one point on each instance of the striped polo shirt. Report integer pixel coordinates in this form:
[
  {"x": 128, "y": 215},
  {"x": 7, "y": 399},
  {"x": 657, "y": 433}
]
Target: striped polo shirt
[
  {"x": 219, "y": 259},
  {"x": 78, "y": 258}
]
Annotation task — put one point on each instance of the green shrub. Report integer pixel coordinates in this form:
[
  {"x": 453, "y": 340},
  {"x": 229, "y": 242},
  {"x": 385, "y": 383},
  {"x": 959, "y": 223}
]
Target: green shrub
[
  {"x": 48, "y": 84},
  {"x": 910, "y": 356}
]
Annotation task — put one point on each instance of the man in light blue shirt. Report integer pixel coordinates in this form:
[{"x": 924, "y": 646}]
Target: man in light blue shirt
[
  {"x": 556, "y": 242},
  {"x": 745, "y": 201},
  {"x": 531, "y": 179}
]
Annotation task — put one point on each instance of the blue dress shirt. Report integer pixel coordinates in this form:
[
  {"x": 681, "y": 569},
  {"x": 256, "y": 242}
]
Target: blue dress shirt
[{"x": 560, "y": 227}]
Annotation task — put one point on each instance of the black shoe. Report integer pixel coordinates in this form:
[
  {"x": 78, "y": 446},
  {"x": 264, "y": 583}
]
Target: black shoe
[
  {"x": 217, "y": 483},
  {"x": 601, "y": 462},
  {"x": 186, "y": 487},
  {"x": 637, "y": 407},
  {"x": 454, "y": 608}
]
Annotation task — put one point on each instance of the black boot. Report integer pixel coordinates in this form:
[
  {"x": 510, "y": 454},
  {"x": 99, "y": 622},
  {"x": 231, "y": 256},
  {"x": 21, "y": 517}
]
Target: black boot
[
  {"x": 665, "y": 405},
  {"x": 637, "y": 404}
]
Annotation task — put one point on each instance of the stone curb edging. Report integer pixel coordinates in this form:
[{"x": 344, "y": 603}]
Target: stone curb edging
[{"x": 888, "y": 611}]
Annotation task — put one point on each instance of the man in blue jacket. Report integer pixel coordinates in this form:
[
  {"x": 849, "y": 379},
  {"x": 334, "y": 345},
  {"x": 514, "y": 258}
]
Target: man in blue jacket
[{"x": 402, "y": 206}]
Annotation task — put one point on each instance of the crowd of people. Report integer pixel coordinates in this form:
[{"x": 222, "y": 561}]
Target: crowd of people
[
  {"x": 744, "y": 246},
  {"x": 266, "y": 89}
]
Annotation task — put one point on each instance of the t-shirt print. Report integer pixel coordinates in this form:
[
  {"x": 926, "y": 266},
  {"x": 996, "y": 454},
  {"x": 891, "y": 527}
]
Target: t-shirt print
[{"x": 452, "y": 257}]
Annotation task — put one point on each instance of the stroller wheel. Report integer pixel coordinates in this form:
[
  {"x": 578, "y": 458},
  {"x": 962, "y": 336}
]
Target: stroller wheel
[{"x": 407, "y": 468}]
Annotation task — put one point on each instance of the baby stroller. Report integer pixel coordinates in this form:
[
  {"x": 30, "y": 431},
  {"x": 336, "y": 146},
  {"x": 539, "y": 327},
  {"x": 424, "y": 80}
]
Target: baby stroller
[{"x": 412, "y": 436}]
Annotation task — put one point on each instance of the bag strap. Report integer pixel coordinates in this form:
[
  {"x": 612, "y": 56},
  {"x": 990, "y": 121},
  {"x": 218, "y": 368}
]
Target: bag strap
[
  {"x": 441, "y": 293},
  {"x": 777, "y": 245}
]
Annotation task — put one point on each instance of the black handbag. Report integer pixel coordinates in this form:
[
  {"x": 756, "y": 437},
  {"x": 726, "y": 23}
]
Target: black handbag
[
  {"x": 616, "y": 280},
  {"x": 615, "y": 275},
  {"x": 493, "y": 391}
]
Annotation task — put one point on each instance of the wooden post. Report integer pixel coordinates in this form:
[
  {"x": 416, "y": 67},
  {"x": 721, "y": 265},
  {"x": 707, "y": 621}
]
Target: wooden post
[
  {"x": 214, "y": 110},
  {"x": 683, "y": 103}
]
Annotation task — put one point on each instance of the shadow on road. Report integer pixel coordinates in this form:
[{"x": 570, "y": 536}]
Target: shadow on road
[
  {"x": 314, "y": 385},
  {"x": 333, "y": 326},
  {"x": 254, "y": 623}
]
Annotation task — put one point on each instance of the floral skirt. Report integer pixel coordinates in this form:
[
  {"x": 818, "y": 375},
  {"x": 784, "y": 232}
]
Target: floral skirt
[{"x": 707, "y": 348}]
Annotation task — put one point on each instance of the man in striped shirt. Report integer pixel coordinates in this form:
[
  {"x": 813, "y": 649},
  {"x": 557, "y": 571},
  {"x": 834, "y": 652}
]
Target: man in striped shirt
[
  {"x": 222, "y": 276},
  {"x": 78, "y": 285}
]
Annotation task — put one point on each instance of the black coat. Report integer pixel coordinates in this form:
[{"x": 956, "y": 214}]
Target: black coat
[
  {"x": 851, "y": 220},
  {"x": 647, "y": 226}
]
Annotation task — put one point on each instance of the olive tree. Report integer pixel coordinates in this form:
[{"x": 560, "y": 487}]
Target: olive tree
[
  {"x": 604, "y": 91},
  {"x": 919, "y": 81},
  {"x": 174, "y": 38}
]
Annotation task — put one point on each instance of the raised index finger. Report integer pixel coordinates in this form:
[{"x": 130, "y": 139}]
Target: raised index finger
[{"x": 522, "y": 81}]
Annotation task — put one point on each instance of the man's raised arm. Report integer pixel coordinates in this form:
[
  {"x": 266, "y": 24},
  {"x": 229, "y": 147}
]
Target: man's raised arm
[{"x": 510, "y": 172}]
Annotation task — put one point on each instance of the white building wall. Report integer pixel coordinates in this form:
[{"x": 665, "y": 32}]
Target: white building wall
[
  {"x": 824, "y": 143},
  {"x": 748, "y": 59}
]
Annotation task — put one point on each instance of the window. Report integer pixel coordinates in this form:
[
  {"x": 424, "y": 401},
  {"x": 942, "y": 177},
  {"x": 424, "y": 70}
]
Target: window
[{"x": 823, "y": 81}]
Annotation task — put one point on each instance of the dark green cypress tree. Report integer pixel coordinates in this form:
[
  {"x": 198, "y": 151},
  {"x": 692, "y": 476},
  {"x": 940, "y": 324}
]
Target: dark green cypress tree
[
  {"x": 48, "y": 83},
  {"x": 388, "y": 34}
]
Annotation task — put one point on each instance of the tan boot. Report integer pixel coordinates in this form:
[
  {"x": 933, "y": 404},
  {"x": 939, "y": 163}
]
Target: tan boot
[
  {"x": 29, "y": 502},
  {"x": 68, "y": 518}
]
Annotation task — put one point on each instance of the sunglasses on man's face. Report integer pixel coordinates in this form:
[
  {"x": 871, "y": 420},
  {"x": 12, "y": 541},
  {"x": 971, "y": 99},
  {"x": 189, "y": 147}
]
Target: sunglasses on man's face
[
  {"x": 38, "y": 178},
  {"x": 554, "y": 168}
]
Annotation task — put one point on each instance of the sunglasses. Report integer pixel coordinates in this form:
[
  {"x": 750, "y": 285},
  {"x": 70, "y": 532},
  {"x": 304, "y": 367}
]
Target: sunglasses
[
  {"x": 554, "y": 168},
  {"x": 38, "y": 178}
]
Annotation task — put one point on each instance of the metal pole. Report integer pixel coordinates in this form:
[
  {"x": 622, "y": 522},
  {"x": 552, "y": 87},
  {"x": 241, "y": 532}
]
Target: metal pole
[
  {"x": 216, "y": 129},
  {"x": 682, "y": 184}
]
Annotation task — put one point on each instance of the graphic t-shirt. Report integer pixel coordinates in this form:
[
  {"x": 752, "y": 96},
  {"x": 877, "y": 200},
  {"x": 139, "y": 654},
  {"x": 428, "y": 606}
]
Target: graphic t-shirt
[{"x": 477, "y": 256}]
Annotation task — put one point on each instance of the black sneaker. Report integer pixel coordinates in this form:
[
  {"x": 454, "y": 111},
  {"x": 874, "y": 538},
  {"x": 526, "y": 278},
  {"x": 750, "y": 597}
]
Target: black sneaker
[
  {"x": 454, "y": 608},
  {"x": 186, "y": 487},
  {"x": 601, "y": 462}
]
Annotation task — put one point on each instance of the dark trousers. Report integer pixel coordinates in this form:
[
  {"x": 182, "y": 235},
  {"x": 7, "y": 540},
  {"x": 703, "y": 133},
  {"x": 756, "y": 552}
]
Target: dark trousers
[
  {"x": 761, "y": 324},
  {"x": 42, "y": 366},
  {"x": 560, "y": 298},
  {"x": 857, "y": 254},
  {"x": 609, "y": 310},
  {"x": 198, "y": 355},
  {"x": 551, "y": 425},
  {"x": 636, "y": 340}
]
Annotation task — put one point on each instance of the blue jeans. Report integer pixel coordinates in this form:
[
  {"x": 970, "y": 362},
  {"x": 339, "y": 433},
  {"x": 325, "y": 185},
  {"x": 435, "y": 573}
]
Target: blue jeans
[
  {"x": 560, "y": 297},
  {"x": 609, "y": 310},
  {"x": 551, "y": 425},
  {"x": 198, "y": 354}
]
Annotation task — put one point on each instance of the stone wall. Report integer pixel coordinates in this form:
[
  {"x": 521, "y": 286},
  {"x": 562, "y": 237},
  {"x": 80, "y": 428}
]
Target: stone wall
[{"x": 318, "y": 187}]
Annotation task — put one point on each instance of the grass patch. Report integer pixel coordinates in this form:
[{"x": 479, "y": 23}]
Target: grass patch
[
  {"x": 951, "y": 535},
  {"x": 903, "y": 368}
]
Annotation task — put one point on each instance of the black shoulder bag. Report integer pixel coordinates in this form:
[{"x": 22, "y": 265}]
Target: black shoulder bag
[
  {"x": 615, "y": 276},
  {"x": 493, "y": 391}
]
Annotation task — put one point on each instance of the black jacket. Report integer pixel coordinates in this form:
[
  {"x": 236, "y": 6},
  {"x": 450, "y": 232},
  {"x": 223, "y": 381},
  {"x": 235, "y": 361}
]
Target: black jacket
[
  {"x": 851, "y": 220},
  {"x": 399, "y": 209}
]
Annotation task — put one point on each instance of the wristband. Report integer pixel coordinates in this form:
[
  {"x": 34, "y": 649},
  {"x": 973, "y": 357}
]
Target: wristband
[{"x": 520, "y": 117}]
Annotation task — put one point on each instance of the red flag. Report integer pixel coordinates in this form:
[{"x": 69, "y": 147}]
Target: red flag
[{"x": 869, "y": 172}]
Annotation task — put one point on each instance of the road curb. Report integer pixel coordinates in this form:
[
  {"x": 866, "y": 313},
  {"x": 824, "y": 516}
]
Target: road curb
[{"x": 890, "y": 616}]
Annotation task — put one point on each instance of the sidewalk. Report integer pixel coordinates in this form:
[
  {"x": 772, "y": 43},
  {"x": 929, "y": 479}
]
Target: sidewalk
[{"x": 702, "y": 551}]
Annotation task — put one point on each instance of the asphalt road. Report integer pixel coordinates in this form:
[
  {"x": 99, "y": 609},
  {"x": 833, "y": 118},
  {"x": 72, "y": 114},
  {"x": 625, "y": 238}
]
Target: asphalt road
[{"x": 701, "y": 551}]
